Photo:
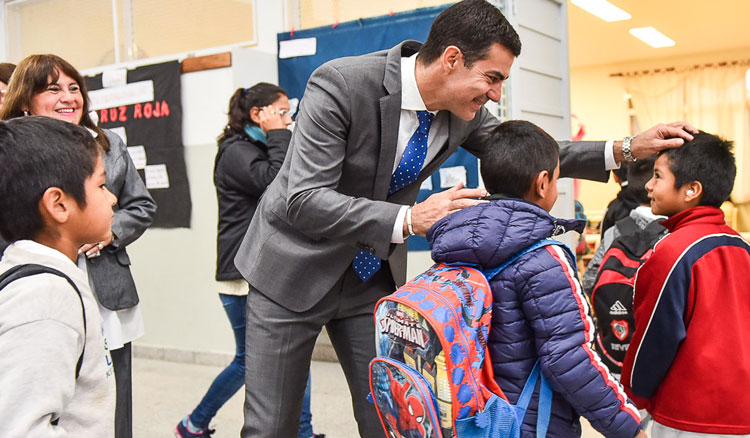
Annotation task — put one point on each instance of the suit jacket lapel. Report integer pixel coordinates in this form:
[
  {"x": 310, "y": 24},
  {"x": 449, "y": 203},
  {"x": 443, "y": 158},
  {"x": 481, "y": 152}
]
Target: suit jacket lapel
[
  {"x": 390, "y": 114},
  {"x": 454, "y": 137}
]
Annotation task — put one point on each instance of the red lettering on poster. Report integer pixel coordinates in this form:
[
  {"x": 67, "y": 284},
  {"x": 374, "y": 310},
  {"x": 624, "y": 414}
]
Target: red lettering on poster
[
  {"x": 164, "y": 109},
  {"x": 103, "y": 116},
  {"x": 123, "y": 116},
  {"x": 137, "y": 114},
  {"x": 113, "y": 114},
  {"x": 147, "y": 110}
]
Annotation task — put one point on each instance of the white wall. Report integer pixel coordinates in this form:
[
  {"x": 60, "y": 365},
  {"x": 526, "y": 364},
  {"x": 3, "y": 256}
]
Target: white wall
[{"x": 174, "y": 268}]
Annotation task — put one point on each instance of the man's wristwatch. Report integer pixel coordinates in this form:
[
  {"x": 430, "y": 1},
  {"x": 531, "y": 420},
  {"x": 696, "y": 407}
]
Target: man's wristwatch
[
  {"x": 408, "y": 222},
  {"x": 626, "y": 149}
]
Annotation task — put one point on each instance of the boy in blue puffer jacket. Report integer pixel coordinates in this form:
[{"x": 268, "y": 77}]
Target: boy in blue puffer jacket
[{"x": 539, "y": 310}]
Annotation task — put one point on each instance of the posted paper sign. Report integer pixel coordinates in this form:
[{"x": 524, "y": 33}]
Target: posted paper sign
[
  {"x": 156, "y": 176},
  {"x": 123, "y": 95},
  {"x": 450, "y": 176},
  {"x": 298, "y": 47},
  {"x": 114, "y": 78},
  {"x": 138, "y": 155}
]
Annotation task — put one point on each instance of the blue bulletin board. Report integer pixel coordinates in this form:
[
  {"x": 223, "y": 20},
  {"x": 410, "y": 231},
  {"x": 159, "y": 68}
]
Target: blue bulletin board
[{"x": 364, "y": 36}]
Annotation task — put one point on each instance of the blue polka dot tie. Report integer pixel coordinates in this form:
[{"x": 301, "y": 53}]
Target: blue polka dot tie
[{"x": 366, "y": 264}]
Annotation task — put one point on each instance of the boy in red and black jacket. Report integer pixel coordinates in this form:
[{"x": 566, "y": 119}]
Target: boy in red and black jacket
[{"x": 689, "y": 363}]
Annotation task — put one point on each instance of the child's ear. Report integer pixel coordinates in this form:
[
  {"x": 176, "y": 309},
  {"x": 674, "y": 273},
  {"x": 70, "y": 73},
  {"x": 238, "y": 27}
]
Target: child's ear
[
  {"x": 693, "y": 191},
  {"x": 53, "y": 205},
  {"x": 255, "y": 115},
  {"x": 541, "y": 182}
]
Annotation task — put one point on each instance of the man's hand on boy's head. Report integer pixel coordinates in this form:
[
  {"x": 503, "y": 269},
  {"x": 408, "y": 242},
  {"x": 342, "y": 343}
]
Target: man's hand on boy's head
[
  {"x": 439, "y": 205},
  {"x": 656, "y": 139},
  {"x": 661, "y": 137}
]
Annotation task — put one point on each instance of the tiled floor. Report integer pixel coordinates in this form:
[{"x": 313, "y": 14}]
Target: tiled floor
[{"x": 165, "y": 391}]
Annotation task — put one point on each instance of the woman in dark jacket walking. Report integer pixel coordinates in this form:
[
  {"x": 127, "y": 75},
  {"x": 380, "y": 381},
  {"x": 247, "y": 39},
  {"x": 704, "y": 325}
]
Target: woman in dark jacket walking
[{"x": 251, "y": 151}]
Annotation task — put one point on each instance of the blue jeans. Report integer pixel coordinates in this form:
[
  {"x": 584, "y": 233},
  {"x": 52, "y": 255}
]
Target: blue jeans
[
  {"x": 305, "y": 419},
  {"x": 231, "y": 379}
]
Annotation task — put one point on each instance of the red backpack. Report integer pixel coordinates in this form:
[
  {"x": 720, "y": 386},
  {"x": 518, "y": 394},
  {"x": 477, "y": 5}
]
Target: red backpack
[{"x": 612, "y": 296}]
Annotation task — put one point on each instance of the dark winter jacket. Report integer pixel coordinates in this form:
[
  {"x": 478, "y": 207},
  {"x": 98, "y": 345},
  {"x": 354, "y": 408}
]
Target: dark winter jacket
[
  {"x": 538, "y": 311},
  {"x": 242, "y": 171}
]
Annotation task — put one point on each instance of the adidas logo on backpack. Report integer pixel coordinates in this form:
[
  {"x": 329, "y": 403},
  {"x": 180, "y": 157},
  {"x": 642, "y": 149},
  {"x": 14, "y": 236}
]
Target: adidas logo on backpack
[
  {"x": 618, "y": 309},
  {"x": 432, "y": 377}
]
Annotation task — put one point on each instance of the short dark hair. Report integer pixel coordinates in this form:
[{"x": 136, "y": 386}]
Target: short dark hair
[
  {"x": 243, "y": 100},
  {"x": 473, "y": 26},
  {"x": 517, "y": 151},
  {"x": 37, "y": 153},
  {"x": 709, "y": 160},
  {"x": 638, "y": 174}
]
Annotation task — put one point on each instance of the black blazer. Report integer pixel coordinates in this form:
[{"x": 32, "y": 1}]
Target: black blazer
[{"x": 242, "y": 171}]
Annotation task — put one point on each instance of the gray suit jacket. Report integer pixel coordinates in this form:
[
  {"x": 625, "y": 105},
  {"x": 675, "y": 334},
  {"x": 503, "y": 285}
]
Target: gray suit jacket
[
  {"x": 330, "y": 198},
  {"x": 134, "y": 212}
]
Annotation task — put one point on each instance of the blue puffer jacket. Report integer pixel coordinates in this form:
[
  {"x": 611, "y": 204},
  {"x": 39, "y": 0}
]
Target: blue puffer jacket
[{"x": 538, "y": 311}]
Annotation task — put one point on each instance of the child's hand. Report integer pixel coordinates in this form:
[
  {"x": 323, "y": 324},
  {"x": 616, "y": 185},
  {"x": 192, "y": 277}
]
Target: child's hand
[{"x": 642, "y": 434}]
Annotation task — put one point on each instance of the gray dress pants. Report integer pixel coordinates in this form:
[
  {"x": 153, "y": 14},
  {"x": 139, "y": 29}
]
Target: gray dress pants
[{"x": 279, "y": 345}]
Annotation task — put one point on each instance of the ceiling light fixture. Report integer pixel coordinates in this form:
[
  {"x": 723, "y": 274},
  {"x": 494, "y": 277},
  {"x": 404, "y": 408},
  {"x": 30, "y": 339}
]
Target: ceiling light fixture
[
  {"x": 652, "y": 37},
  {"x": 602, "y": 9}
]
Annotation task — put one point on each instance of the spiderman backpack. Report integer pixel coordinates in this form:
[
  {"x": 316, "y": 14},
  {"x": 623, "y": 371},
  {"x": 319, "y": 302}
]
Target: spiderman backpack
[{"x": 432, "y": 376}]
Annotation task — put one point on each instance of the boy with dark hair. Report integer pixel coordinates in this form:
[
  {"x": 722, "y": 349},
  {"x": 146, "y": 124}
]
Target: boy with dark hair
[
  {"x": 688, "y": 362},
  {"x": 56, "y": 377},
  {"x": 539, "y": 311}
]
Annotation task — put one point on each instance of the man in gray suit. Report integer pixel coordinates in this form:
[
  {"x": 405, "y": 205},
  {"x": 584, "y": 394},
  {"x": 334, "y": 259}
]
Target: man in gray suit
[{"x": 333, "y": 203}]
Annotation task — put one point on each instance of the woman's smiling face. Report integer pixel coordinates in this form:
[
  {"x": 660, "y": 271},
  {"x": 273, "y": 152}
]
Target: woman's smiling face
[{"x": 61, "y": 100}]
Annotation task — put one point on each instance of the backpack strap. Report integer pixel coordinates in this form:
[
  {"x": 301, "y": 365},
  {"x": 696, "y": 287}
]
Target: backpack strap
[
  {"x": 491, "y": 273},
  {"x": 544, "y": 409},
  {"x": 28, "y": 270}
]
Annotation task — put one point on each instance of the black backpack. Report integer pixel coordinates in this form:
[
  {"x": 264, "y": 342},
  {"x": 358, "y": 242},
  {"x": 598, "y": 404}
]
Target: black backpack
[
  {"x": 612, "y": 296},
  {"x": 27, "y": 270}
]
